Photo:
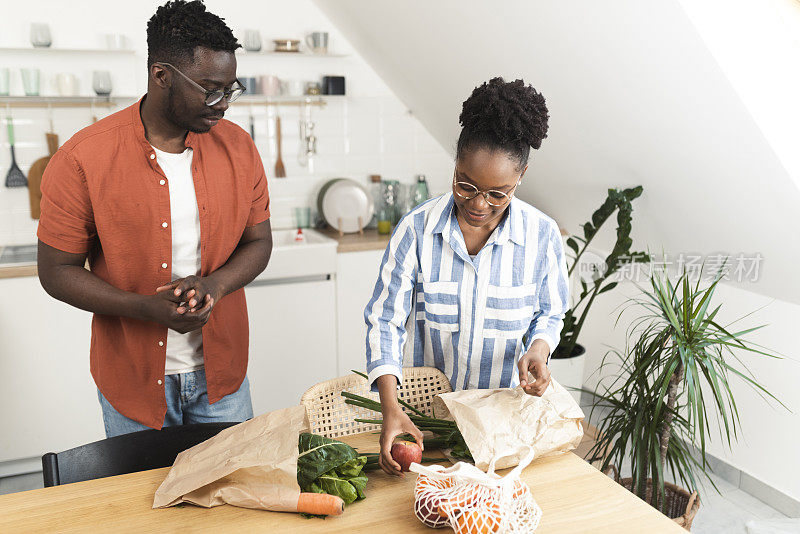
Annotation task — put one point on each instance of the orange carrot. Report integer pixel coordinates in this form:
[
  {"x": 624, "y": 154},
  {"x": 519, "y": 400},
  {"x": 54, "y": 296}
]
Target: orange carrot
[{"x": 320, "y": 504}]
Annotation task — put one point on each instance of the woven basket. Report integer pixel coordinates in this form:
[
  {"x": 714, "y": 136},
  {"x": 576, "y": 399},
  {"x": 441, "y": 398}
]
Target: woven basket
[
  {"x": 330, "y": 416},
  {"x": 680, "y": 506}
]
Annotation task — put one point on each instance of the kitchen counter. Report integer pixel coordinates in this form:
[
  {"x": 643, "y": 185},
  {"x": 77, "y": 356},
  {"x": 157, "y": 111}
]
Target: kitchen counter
[
  {"x": 574, "y": 497},
  {"x": 17, "y": 271},
  {"x": 371, "y": 240},
  {"x": 20, "y": 261}
]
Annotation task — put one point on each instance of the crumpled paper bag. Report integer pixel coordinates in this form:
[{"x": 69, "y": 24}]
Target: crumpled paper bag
[
  {"x": 503, "y": 423},
  {"x": 252, "y": 465}
]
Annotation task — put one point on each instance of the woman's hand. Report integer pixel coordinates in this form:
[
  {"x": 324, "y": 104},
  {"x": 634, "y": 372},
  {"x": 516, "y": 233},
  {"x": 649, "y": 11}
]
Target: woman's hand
[
  {"x": 534, "y": 362},
  {"x": 395, "y": 423}
]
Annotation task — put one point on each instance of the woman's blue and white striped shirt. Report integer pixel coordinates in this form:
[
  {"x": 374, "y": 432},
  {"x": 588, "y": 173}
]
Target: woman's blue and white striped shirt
[{"x": 472, "y": 318}]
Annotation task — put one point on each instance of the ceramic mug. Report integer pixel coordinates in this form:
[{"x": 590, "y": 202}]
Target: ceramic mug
[
  {"x": 250, "y": 85},
  {"x": 318, "y": 42},
  {"x": 116, "y": 41},
  {"x": 270, "y": 85},
  {"x": 252, "y": 40},
  {"x": 294, "y": 87},
  {"x": 67, "y": 84}
]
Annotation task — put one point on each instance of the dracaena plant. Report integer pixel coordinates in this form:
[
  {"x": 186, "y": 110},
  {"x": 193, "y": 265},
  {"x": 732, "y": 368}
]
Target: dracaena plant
[
  {"x": 619, "y": 201},
  {"x": 673, "y": 379}
]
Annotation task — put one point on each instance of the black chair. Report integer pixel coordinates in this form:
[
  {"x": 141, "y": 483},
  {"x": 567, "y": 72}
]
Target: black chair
[{"x": 128, "y": 453}]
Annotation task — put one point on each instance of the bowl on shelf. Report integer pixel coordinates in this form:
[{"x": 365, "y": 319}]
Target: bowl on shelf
[{"x": 286, "y": 45}]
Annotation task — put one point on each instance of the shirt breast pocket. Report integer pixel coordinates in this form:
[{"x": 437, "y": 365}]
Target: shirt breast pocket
[
  {"x": 509, "y": 310},
  {"x": 441, "y": 305}
]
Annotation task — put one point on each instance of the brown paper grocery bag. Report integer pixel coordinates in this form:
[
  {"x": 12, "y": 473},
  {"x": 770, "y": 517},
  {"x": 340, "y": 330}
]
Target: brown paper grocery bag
[
  {"x": 252, "y": 465},
  {"x": 503, "y": 423}
]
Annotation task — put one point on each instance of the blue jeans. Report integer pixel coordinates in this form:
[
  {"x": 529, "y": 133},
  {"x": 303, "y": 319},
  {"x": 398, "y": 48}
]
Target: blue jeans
[{"x": 187, "y": 403}]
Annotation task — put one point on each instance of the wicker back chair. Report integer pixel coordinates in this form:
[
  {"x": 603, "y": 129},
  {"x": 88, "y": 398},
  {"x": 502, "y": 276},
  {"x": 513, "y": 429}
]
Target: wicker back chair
[
  {"x": 330, "y": 416},
  {"x": 680, "y": 505}
]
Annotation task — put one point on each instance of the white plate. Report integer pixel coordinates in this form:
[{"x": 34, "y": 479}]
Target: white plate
[{"x": 347, "y": 200}]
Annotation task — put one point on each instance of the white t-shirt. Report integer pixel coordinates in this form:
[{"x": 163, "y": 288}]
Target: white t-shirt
[{"x": 184, "y": 351}]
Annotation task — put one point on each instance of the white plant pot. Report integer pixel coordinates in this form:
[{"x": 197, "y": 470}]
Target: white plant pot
[{"x": 569, "y": 372}]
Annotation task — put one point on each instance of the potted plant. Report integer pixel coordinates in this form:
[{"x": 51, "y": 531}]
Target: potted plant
[
  {"x": 675, "y": 373},
  {"x": 568, "y": 360}
]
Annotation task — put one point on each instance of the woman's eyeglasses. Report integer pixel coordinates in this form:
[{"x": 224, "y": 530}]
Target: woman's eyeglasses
[
  {"x": 213, "y": 97},
  {"x": 493, "y": 197}
]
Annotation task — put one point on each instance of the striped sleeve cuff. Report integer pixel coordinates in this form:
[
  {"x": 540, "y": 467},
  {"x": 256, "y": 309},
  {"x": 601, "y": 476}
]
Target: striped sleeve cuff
[{"x": 384, "y": 369}]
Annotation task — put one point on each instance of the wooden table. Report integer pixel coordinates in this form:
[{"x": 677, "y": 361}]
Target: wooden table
[{"x": 574, "y": 496}]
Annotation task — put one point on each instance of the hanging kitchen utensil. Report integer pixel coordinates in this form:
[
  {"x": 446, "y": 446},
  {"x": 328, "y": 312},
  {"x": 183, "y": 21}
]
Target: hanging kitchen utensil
[
  {"x": 36, "y": 172},
  {"x": 252, "y": 126},
  {"x": 15, "y": 177},
  {"x": 280, "y": 171}
]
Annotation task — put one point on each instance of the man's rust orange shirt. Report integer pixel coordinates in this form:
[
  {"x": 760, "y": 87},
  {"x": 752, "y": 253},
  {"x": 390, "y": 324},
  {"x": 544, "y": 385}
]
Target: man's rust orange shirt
[{"x": 103, "y": 194}]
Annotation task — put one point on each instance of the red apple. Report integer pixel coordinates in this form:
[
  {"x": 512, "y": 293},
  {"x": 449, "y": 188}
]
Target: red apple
[{"x": 405, "y": 453}]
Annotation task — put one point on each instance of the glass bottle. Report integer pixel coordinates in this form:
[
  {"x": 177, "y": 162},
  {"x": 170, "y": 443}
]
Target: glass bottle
[
  {"x": 377, "y": 198},
  {"x": 421, "y": 193}
]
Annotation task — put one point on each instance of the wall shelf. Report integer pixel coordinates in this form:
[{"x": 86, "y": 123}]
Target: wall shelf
[
  {"x": 308, "y": 100},
  {"x": 272, "y": 53},
  {"x": 68, "y": 50},
  {"x": 63, "y": 101}
]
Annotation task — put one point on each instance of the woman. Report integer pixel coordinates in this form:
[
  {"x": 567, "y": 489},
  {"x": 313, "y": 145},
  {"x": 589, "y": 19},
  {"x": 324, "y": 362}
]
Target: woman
[{"x": 483, "y": 272}]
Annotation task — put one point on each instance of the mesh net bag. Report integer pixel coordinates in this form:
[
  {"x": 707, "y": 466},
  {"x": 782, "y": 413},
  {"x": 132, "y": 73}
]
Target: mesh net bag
[{"x": 473, "y": 502}]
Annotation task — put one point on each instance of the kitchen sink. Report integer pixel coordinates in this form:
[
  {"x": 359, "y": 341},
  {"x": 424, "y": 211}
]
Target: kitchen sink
[
  {"x": 18, "y": 255},
  {"x": 314, "y": 256}
]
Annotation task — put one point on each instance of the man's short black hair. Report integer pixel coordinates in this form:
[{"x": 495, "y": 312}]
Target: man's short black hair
[
  {"x": 500, "y": 115},
  {"x": 178, "y": 27}
]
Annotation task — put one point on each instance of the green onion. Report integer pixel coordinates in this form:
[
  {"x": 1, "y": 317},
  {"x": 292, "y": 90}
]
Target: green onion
[{"x": 447, "y": 434}]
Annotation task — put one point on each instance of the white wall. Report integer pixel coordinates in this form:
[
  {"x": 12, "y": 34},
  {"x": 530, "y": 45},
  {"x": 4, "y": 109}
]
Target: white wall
[
  {"x": 369, "y": 132},
  {"x": 758, "y": 65},
  {"x": 635, "y": 97},
  {"x": 769, "y": 433}
]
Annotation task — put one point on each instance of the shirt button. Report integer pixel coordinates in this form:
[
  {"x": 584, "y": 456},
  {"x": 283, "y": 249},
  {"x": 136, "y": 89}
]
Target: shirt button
[
  {"x": 153, "y": 156},
  {"x": 160, "y": 343},
  {"x": 162, "y": 182},
  {"x": 159, "y": 381},
  {"x": 163, "y": 265},
  {"x": 164, "y": 225}
]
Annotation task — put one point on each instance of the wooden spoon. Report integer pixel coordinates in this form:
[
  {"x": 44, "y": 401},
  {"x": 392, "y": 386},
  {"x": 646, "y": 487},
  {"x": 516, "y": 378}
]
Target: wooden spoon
[
  {"x": 280, "y": 171},
  {"x": 35, "y": 174}
]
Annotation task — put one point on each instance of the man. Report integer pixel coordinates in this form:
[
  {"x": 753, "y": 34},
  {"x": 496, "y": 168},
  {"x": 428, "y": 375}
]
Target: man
[{"x": 169, "y": 203}]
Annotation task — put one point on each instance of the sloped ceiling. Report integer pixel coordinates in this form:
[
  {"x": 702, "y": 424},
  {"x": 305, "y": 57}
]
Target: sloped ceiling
[{"x": 634, "y": 98}]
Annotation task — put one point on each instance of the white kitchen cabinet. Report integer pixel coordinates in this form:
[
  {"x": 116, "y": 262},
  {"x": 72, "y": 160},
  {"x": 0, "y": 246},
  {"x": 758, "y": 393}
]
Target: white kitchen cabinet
[
  {"x": 356, "y": 274},
  {"x": 48, "y": 398},
  {"x": 292, "y": 339}
]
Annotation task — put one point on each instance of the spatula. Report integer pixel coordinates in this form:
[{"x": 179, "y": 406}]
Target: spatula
[
  {"x": 15, "y": 177},
  {"x": 280, "y": 171}
]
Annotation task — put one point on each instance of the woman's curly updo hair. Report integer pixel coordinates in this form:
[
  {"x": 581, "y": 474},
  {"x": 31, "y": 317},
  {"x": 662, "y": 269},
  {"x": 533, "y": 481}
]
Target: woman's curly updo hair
[{"x": 500, "y": 115}]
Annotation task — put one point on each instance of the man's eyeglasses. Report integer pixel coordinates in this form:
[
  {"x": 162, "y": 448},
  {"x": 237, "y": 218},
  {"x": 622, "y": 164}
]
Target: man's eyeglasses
[
  {"x": 493, "y": 197},
  {"x": 212, "y": 97}
]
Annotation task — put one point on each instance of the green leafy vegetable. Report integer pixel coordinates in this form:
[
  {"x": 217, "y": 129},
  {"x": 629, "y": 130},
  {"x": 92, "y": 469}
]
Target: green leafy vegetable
[
  {"x": 333, "y": 485},
  {"x": 360, "y": 484},
  {"x": 318, "y": 455},
  {"x": 352, "y": 468},
  {"x": 326, "y": 465}
]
